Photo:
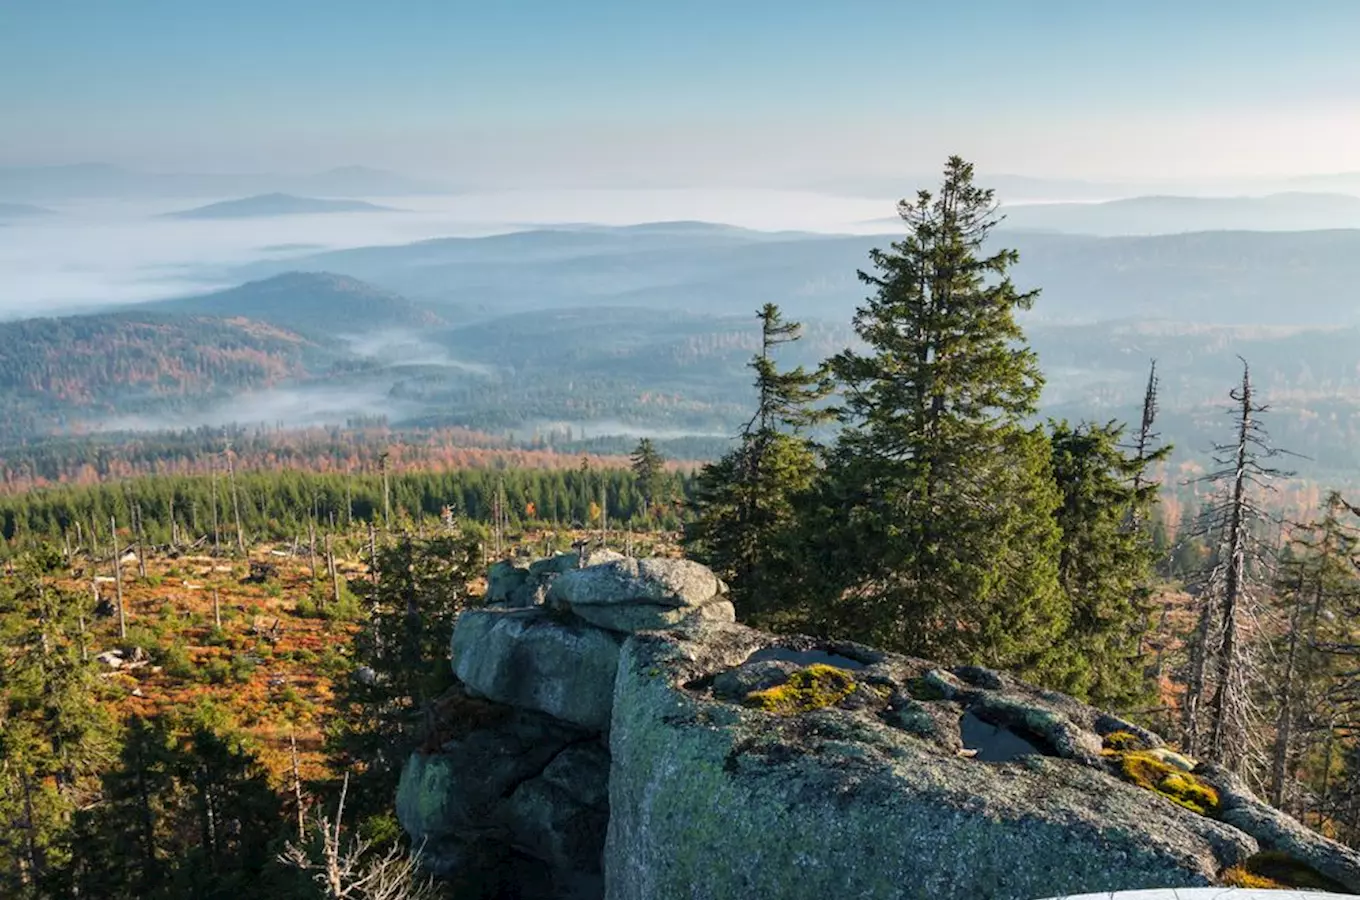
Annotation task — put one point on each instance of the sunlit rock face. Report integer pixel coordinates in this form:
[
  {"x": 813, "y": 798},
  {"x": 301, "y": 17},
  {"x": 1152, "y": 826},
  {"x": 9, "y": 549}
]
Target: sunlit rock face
[{"x": 615, "y": 734}]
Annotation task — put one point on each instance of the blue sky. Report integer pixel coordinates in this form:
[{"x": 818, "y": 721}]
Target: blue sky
[{"x": 689, "y": 90}]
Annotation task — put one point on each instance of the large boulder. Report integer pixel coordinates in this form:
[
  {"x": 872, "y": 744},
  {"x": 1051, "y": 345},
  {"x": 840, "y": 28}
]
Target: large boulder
[
  {"x": 519, "y": 583},
  {"x": 628, "y": 595},
  {"x": 533, "y": 659},
  {"x": 858, "y": 777}
]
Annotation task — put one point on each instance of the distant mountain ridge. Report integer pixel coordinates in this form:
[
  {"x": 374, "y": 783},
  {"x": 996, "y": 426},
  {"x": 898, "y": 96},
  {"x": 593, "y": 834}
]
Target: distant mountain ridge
[
  {"x": 1169, "y": 214},
  {"x": 101, "y": 180},
  {"x": 312, "y": 303},
  {"x": 263, "y": 205},
  {"x": 23, "y": 211},
  {"x": 1225, "y": 277}
]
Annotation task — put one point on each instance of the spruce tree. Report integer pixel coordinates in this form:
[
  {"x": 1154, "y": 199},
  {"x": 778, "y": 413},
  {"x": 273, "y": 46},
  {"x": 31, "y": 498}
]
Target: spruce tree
[
  {"x": 745, "y": 503},
  {"x": 403, "y": 647},
  {"x": 1105, "y": 561},
  {"x": 649, "y": 472},
  {"x": 937, "y": 528},
  {"x": 55, "y": 731}
]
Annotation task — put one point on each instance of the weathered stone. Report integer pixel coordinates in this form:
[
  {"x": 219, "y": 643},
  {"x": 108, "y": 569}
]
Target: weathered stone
[
  {"x": 560, "y": 816},
  {"x": 650, "y": 582},
  {"x": 631, "y": 617},
  {"x": 504, "y": 578},
  {"x": 449, "y": 812},
  {"x": 582, "y": 771},
  {"x": 837, "y": 803},
  {"x": 747, "y": 678},
  {"x": 559, "y": 563},
  {"x": 520, "y": 584},
  {"x": 531, "y": 659}
]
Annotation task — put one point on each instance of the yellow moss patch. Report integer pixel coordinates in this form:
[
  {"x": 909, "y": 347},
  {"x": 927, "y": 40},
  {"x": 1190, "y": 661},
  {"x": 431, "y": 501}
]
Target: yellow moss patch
[
  {"x": 1274, "y": 870},
  {"x": 816, "y": 687},
  {"x": 1146, "y": 771},
  {"x": 1239, "y": 877}
]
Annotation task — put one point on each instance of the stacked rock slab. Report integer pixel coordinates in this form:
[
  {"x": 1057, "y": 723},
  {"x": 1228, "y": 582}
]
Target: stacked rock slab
[
  {"x": 735, "y": 768},
  {"x": 517, "y": 804},
  {"x": 621, "y": 737}
]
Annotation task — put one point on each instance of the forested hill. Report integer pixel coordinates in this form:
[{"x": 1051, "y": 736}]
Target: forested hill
[
  {"x": 125, "y": 363},
  {"x": 309, "y": 303},
  {"x": 274, "y": 205}
]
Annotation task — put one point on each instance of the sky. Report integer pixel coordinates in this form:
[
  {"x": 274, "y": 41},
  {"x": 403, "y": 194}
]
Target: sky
[{"x": 687, "y": 92}]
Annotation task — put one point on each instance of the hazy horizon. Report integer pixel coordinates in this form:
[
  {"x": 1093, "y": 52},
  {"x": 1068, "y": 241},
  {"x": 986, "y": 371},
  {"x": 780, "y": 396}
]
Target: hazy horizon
[{"x": 605, "y": 94}]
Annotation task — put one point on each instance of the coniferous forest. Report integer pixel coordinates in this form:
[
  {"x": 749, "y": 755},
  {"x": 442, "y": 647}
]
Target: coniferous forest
[{"x": 209, "y": 678}]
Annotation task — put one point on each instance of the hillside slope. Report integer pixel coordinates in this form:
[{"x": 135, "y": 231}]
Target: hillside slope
[
  {"x": 314, "y": 303},
  {"x": 52, "y": 370}
]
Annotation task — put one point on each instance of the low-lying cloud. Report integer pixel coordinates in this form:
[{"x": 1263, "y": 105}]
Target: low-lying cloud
[
  {"x": 96, "y": 254},
  {"x": 288, "y": 406}
]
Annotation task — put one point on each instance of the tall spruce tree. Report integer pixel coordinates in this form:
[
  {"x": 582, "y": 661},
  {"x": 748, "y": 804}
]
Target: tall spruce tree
[
  {"x": 1105, "y": 561},
  {"x": 649, "y": 470},
  {"x": 937, "y": 528},
  {"x": 744, "y": 503}
]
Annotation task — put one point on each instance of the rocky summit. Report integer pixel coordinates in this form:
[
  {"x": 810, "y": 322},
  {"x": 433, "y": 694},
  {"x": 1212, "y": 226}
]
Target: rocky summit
[{"x": 615, "y": 734}]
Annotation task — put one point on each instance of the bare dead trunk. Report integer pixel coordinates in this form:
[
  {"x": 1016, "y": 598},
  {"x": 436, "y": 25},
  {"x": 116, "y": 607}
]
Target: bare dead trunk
[{"x": 118, "y": 579}]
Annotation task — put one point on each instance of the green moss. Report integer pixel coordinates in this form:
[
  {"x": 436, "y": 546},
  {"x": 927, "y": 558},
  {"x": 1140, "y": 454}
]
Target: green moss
[
  {"x": 1272, "y": 870},
  {"x": 1182, "y": 788},
  {"x": 816, "y": 687}
]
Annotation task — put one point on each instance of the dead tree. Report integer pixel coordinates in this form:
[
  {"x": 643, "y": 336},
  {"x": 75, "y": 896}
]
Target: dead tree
[
  {"x": 355, "y": 871},
  {"x": 216, "y": 524},
  {"x": 373, "y": 554},
  {"x": 141, "y": 539},
  {"x": 1218, "y": 714},
  {"x": 1145, "y": 446},
  {"x": 297, "y": 788},
  {"x": 118, "y": 578},
  {"x": 387, "y": 491},
  {"x": 235, "y": 502},
  {"x": 334, "y": 572}
]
